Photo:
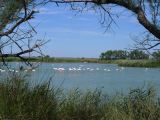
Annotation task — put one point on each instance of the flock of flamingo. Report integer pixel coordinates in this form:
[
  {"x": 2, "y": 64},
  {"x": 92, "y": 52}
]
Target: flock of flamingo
[
  {"x": 61, "y": 69},
  {"x": 84, "y": 69},
  {"x": 16, "y": 71}
]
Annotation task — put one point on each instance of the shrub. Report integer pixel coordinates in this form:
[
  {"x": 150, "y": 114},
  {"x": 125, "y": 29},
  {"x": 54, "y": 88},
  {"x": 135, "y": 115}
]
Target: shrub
[{"x": 21, "y": 101}]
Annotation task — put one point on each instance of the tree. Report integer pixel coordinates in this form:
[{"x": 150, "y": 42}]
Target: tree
[
  {"x": 121, "y": 54},
  {"x": 109, "y": 55},
  {"x": 15, "y": 40},
  {"x": 102, "y": 56},
  {"x": 137, "y": 54},
  {"x": 156, "y": 55},
  {"x": 47, "y": 56},
  {"x": 114, "y": 55}
]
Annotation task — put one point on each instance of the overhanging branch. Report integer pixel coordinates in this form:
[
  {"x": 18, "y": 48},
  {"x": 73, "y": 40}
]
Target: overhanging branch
[{"x": 17, "y": 24}]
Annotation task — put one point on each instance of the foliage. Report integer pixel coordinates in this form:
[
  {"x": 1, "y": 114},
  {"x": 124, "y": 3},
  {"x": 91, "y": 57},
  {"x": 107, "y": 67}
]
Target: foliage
[
  {"x": 15, "y": 39},
  {"x": 9, "y": 9},
  {"x": 114, "y": 55},
  {"x": 20, "y": 101},
  {"x": 137, "y": 54},
  {"x": 121, "y": 54},
  {"x": 156, "y": 55},
  {"x": 138, "y": 63},
  {"x": 52, "y": 59}
]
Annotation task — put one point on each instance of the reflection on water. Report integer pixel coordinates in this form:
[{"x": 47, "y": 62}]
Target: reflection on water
[{"x": 108, "y": 77}]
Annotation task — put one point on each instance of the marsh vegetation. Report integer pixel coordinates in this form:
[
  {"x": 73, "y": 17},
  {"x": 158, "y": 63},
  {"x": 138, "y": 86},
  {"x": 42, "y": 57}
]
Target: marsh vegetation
[{"x": 20, "y": 101}]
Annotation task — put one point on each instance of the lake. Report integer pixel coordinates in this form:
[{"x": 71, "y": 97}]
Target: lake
[{"x": 89, "y": 76}]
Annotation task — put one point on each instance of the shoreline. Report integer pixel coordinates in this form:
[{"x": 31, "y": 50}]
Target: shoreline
[{"x": 122, "y": 63}]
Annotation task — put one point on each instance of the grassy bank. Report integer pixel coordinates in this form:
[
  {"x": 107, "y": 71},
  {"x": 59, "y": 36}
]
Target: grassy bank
[
  {"x": 53, "y": 60},
  {"x": 138, "y": 63},
  {"x": 19, "y": 101},
  {"x": 125, "y": 63}
]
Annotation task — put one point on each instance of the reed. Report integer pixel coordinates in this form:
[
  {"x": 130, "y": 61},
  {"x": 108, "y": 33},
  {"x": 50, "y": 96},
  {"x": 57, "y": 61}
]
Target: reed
[
  {"x": 21, "y": 101},
  {"x": 138, "y": 63}
]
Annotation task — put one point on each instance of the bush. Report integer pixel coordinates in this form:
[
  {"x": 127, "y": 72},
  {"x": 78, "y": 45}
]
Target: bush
[{"x": 20, "y": 101}]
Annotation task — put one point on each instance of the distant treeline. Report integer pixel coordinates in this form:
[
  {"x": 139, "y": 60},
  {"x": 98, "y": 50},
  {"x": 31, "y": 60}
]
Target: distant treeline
[{"x": 132, "y": 55}]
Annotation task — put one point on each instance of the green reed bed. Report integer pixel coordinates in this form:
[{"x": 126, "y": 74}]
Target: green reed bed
[
  {"x": 52, "y": 60},
  {"x": 138, "y": 63},
  {"x": 21, "y": 101}
]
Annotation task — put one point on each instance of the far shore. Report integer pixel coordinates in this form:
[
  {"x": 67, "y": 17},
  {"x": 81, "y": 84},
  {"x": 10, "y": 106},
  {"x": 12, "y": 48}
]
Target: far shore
[{"x": 123, "y": 62}]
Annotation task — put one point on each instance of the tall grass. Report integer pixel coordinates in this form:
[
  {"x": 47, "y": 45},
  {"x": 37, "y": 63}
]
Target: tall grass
[
  {"x": 138, "y": 63},
  {"x": 52, "y": 59},
  {"x": 20, "y": 101}
]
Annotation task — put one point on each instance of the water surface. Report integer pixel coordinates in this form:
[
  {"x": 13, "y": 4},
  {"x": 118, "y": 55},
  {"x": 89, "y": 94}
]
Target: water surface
[{"x": 89, "y": 76}]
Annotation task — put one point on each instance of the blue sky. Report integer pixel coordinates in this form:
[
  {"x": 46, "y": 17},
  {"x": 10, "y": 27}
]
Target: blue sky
[{"x": 74, "y": 34}]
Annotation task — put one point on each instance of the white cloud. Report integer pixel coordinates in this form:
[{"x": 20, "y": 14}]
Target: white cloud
[
  {"x": 46, "y": 11},
  {"x": 76, "y": 31},
  {"x": 78, "y": 18}
]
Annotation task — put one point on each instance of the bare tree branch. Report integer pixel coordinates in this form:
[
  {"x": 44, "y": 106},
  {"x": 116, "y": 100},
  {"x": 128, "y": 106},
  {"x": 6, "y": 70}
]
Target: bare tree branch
[
  {"x": 17, "y": 24},
  {"x": 12, "y": 34},
  {"x": 140, "y": 8}
]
